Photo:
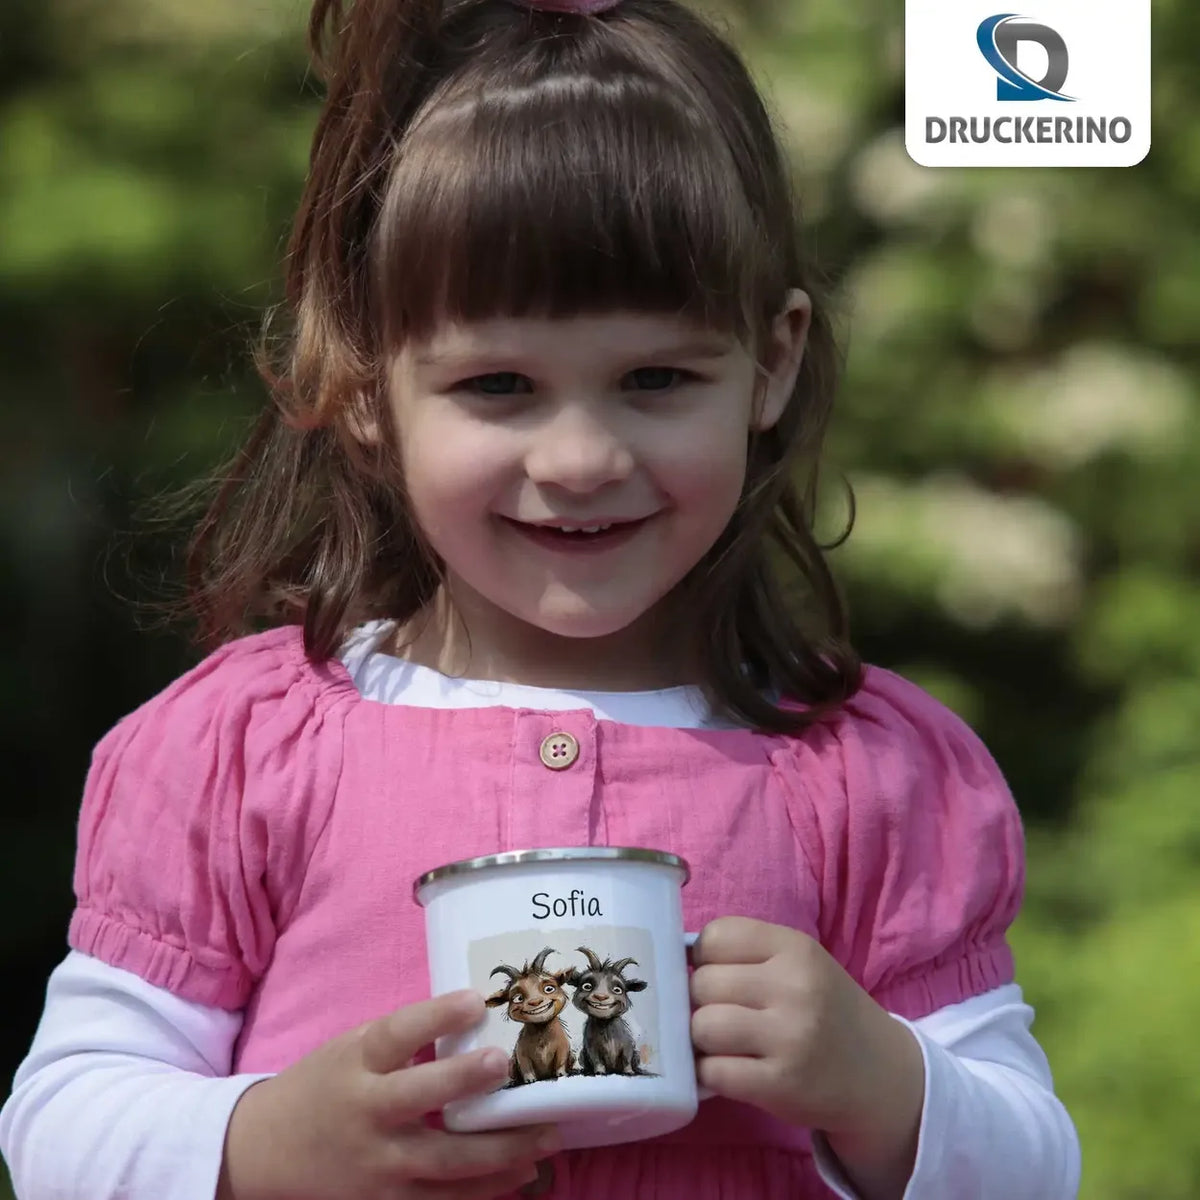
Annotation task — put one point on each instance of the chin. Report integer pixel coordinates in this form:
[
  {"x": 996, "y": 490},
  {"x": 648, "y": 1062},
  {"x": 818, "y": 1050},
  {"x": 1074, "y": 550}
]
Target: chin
[
  {"x": 582, "y": 630},
  {"x": 584, "y": 625}
]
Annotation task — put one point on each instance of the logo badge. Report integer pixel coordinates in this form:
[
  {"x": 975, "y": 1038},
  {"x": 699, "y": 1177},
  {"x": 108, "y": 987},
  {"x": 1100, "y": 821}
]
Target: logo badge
[{"x": 1067, "y": 84}]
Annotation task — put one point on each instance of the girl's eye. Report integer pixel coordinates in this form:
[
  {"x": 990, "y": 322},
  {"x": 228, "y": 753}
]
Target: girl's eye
[
  {"x": 658, "y": 379},
  {"x": 509, "y": 383},
  {"x": 499, "y": 383}
]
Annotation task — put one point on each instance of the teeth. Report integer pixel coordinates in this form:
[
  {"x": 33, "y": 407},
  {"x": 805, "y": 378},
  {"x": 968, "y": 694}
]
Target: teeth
[{"x": 582, "y": 528}]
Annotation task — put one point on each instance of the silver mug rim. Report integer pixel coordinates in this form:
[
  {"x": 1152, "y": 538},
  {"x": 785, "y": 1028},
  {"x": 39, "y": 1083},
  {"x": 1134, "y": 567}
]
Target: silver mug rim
[{"x": 513, "y": 858}]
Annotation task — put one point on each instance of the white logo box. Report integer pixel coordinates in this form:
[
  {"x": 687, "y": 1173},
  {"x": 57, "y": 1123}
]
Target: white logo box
[{"x": 1093, "y": 58}]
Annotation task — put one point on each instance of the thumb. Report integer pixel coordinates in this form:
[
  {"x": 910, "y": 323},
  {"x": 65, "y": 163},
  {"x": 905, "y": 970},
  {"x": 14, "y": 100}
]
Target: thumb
[{"x": 391, "y": 1042}]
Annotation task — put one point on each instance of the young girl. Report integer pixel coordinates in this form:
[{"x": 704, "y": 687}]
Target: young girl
[{"x": 540, "y": 460}]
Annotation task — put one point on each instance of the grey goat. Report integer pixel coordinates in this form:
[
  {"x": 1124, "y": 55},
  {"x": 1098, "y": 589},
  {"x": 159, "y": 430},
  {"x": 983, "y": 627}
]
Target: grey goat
[{"x": 602, "y": 993}]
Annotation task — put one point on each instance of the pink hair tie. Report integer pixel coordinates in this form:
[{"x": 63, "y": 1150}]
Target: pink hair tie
[{"x": 583, "y": 7}]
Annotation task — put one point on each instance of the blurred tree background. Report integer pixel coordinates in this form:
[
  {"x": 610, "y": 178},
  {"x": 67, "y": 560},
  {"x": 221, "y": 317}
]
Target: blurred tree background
[{"x": 1020, "y": 420}]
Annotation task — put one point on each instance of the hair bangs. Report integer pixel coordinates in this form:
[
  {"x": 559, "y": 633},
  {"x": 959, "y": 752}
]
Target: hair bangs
[{"x": 561, "y": 197}]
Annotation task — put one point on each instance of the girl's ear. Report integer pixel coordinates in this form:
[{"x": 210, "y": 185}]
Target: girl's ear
[{"x": 781, "y": 359}]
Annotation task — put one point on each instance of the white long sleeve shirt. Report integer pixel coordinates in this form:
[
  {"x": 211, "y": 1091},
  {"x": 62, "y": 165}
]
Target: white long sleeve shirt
[{"x": 125, "y": 1096}]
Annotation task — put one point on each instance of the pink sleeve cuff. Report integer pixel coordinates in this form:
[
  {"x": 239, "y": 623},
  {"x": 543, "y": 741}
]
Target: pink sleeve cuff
[
  {"x": 220, "y": 985},
  {"x": 940, "y": 985}
]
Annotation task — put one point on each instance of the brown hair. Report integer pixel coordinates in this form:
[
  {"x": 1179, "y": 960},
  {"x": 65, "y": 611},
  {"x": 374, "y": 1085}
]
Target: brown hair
[{"x": 476, "y": 158}]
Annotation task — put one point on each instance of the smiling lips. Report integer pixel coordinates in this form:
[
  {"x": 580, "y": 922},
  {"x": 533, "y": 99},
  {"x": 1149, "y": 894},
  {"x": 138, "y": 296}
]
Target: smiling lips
[
  {"x": 581, "y": 528},
  {"x": 568, "y": 536},
  {"x": 597, "y": 525}
]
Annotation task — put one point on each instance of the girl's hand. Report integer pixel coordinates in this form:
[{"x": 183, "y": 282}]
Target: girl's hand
[
  {"x": 780, "y": 1025},
  {"x": 347, "y": 1120}
]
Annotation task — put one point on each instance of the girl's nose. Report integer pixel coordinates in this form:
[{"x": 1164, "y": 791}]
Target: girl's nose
[{"x": 577, "y": 451}]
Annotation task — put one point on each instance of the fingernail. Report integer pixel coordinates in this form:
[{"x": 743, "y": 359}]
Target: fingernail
[{"x": 469, "y": 1004}]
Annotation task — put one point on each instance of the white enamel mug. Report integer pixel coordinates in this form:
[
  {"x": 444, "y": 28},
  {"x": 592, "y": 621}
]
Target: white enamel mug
[{"x": 582, "y": 955}]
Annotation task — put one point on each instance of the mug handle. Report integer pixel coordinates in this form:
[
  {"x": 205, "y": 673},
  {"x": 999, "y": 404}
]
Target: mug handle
[{"x": 689, "y": 940}]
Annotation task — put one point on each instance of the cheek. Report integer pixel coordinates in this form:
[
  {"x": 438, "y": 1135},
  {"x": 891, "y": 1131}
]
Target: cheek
[
  {"x": 706, "y": 471},
  {"x": 447, "y": 471}
]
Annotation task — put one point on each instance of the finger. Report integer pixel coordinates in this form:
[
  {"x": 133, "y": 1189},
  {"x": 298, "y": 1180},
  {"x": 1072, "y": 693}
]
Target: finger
[
  {"x": 724, "y": 983},
  {"x": 739, "y": 940},
  {"x": 748, "y": 1080},
  {"x": 727, "y": 1029},
  {"x": 391, "y": 1042},
  {"x": 404, "y": 1095},
  {"x": 433, "y": 1154}
]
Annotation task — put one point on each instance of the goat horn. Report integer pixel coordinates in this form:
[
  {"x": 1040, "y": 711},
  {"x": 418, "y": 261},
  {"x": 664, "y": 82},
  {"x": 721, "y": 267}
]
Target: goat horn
[
  {"x": 593, "y": 961},
  {"x": 511, "y": 972},
  {"x": 539, "y": 964},
  {"x": 625, "y": 962}
]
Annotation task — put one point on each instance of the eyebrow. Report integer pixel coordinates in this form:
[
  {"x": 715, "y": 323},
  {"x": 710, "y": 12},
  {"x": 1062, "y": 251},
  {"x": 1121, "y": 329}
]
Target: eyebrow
[{"x": 698, "y": 350}]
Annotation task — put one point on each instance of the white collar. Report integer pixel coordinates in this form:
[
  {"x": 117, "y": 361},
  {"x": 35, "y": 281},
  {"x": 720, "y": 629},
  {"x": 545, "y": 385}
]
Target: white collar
[{"x": 390, "y": 680}]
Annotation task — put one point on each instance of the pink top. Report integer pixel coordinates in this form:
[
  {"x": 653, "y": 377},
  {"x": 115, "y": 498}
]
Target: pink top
[{"x": 249, "y": 838}]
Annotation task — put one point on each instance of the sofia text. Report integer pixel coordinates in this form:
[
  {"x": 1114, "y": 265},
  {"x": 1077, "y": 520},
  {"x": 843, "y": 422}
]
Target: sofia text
[{"x": 575, "y": 905}]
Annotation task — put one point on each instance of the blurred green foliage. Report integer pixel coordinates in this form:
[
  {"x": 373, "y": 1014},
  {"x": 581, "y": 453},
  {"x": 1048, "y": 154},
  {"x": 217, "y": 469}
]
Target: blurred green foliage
[{"x": 1020, "y": 420}]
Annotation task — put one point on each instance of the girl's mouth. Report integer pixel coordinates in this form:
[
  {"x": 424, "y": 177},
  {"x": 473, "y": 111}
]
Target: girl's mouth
[{"x": 579, "y": 539}]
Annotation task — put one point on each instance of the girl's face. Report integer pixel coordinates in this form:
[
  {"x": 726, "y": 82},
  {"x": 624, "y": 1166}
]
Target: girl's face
[{"x": 570, "y": 472}]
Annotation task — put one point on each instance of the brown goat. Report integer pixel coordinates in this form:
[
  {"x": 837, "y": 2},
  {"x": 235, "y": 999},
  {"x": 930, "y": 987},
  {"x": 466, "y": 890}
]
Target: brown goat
[{"x": 535, "y": 998}]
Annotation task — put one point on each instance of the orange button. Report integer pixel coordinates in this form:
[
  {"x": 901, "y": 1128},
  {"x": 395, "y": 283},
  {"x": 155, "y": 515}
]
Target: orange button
[{"x": 559, "y": 751}]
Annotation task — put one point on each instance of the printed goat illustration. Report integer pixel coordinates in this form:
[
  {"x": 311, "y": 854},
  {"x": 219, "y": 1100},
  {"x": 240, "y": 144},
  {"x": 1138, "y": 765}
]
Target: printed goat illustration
[
  {"x": 535, "y": 997},
  {"x": 602, "y": 993}
]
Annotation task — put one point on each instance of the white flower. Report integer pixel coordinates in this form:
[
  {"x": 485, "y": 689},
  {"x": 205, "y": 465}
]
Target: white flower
[
  {"x": 984, "y": 556},
  {"x": 890, "y": 188},
  {"x": 1095, "y": 398}
]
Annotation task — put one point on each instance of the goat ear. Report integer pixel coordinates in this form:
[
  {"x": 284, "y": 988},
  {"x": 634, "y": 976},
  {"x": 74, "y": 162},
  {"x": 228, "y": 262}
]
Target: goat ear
[
  {"x": 636, "y": 985},
  {"x": 568, "y": 976},
  {"x": 497, "y": 998}
]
